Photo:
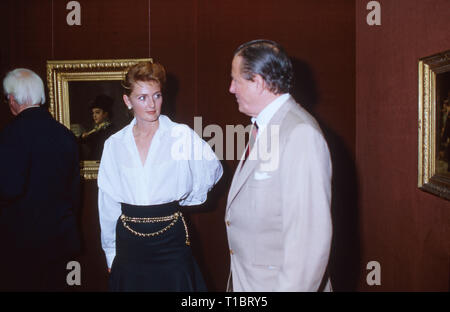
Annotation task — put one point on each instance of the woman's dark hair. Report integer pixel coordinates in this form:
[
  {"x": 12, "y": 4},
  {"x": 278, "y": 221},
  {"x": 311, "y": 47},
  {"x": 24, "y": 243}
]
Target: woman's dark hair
[
  {"x": 269, "y": 60},
  {"x": 144, "y": 71}
]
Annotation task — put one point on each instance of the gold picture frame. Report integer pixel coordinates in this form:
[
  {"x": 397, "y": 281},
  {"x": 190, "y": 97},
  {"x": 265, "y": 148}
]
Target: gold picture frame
[
  {"x": 434, "y": 131},
  {"x": 72, "y": 86}
]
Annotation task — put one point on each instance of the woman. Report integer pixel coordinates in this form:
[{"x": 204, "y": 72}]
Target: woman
[
  {"x": 143, "y": 179},
  {"x": 103, "y": 128}
]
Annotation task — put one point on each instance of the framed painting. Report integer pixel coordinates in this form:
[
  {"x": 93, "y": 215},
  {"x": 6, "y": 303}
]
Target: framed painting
[
  {"x": 434, "y": 124},
  {"x": 86, "y": 97}
]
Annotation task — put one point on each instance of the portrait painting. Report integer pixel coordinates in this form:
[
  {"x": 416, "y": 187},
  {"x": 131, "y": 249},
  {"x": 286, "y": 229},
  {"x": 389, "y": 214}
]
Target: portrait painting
[
  {"x": 97, "y": 111},
  {"x": 443, "y": 123},
  {"x": 86, "y": 97},
  {"x": 434, "y": 124}
]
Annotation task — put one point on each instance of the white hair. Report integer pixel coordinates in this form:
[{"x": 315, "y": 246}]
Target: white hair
[{"x": 25, "y": 85}]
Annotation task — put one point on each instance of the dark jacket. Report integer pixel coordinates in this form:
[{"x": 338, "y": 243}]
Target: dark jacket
[{"x": 39, "y": 190}]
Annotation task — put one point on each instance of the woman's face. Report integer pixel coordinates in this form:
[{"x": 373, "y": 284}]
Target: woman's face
[
  {"x": 99, "y": 115},
  {"x": 146, "y": 100}
]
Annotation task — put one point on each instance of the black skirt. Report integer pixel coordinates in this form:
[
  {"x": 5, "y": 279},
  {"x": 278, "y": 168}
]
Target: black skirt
[{"x": 163, "y": 262}]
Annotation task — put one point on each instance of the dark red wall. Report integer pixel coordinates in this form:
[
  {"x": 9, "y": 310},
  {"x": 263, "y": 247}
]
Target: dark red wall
[
  {"x": 406, "y": 230},
  {"x": 195, "y": 40}
]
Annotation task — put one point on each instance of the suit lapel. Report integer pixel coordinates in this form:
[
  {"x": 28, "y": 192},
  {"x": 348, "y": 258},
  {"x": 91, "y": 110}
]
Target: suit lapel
[
  {"x": 242, "y": 173},
  {"x": 234, "y": 181}
]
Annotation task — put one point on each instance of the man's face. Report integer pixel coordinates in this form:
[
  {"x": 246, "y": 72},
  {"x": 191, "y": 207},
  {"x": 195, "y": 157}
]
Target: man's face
[
  {"x": 245, "y": 90},
  {"x": 99, "y": 115}
]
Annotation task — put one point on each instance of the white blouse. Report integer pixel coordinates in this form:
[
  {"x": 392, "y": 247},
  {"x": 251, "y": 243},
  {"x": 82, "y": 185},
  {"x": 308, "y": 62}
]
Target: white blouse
[{"x": 180, "y": 166}]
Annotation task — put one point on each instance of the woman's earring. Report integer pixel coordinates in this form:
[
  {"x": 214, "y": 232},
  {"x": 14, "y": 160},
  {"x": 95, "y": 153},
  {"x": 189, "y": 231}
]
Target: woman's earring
[{"x": 129, "y": 107}]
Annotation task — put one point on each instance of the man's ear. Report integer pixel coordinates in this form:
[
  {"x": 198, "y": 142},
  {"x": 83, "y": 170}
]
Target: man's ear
[
  {"x": 260, "y": 83},
  {"x": 13, "y": 105}
]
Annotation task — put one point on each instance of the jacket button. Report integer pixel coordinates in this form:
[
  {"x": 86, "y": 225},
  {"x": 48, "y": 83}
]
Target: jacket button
[
  {"x": 231, "y": 252},
  {"x": 228, "y": 223}
]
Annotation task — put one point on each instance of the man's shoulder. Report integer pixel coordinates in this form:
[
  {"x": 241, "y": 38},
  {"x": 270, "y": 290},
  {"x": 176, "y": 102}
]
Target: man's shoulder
[
  {"x": 26, "y": 125},
  {"x": 38, "y": 130},
  {"x": 54, "y": 125},
  {"x": 43, "y": 126},
  {"x": 296, "y": 116}
]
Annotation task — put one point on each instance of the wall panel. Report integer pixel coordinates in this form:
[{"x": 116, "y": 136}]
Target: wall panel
[{"x": 404, "y": 229}]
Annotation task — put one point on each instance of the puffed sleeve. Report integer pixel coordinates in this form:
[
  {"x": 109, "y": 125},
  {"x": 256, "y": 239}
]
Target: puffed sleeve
[
  {"x": 109, "y": 207},
  {"x": 206, "y": 171}
]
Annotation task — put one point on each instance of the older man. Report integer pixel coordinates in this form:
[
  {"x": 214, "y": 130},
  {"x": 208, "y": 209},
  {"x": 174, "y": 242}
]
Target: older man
[
  {"x": 278, "y": 212},
  {"x": 39, "y": 190}
]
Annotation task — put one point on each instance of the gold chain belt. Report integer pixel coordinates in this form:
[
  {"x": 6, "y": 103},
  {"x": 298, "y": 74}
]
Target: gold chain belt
[{"x": 173, "y": 217}]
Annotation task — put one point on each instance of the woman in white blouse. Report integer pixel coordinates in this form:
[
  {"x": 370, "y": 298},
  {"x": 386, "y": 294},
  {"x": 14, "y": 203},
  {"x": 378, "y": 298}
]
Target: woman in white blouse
[{"x": 147, "y": 170}]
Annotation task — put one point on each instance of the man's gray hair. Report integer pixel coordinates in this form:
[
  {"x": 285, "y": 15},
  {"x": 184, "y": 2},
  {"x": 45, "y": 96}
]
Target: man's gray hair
[{"x": 25, "y": 85}]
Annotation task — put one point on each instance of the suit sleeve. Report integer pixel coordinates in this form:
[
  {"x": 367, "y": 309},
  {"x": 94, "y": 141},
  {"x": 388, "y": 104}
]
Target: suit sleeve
[{"x": 306, "y": 197}]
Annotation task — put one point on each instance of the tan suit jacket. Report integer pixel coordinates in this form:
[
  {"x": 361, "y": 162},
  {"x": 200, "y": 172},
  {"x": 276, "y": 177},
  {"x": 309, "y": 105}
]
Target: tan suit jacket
[{"x": 278, "y": 212}]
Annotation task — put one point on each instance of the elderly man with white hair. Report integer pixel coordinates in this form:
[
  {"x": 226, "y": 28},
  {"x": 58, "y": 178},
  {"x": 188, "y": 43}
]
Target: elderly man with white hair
[{"x": 39, "y": 191}]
